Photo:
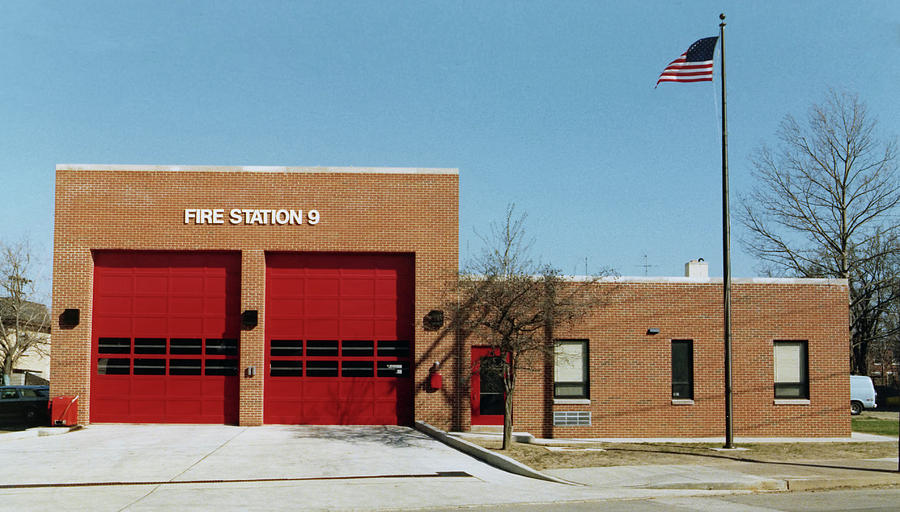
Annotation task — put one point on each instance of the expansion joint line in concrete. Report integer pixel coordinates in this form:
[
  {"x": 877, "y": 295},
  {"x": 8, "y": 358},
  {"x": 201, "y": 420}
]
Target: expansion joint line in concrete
[
  {"x": 201, "y": 459},
  {"x": 439, "y": 474}
]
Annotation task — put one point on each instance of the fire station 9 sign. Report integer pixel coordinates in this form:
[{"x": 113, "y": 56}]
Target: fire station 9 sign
[{"x": 251, "y": 216}]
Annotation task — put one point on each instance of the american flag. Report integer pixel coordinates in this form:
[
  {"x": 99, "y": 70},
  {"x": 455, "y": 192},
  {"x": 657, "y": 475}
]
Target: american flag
[{"x": 694, "y": 65}]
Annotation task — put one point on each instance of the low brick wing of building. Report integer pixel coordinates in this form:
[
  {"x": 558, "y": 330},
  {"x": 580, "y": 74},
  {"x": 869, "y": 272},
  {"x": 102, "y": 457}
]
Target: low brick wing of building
[{"x": 653, "y": 363}]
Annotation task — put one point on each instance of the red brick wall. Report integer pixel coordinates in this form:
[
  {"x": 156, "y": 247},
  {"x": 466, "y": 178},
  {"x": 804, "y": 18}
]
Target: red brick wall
[
  {"x": 409, "y": 211},
  {"x": 630, "y": 371}
]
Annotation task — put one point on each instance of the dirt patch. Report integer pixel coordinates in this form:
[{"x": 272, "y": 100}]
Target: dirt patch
[
  {"x": 879, "y": 415},
  {"x": 630, "y": 454}
]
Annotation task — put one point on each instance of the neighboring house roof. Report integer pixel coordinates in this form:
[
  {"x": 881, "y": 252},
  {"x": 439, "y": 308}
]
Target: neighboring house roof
[{"x": 33, "y": 315}]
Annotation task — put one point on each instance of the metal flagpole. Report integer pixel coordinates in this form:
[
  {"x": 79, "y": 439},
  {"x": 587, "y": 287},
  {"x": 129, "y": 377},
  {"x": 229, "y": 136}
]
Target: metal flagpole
[{"x": 726, "y": 250}]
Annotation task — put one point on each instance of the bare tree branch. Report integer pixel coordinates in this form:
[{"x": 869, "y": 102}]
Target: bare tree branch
[
  {"x": 825, "y": 205},
  {"x": 513, "y": 306}
]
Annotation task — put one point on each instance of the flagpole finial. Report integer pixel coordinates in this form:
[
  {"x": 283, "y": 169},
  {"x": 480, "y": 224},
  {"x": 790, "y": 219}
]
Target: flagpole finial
[{"x": 722, "y": 17}]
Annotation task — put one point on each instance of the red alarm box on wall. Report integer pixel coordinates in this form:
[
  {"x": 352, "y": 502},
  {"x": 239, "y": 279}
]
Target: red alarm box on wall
[
  {"x": 435, "y": 381},
  {"x": 64, "y": 411}
]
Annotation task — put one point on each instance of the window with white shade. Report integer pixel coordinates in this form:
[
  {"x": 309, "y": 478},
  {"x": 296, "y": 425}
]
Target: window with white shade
[
  {"x": 791, "y": 370},
  {"x": 570, "y": 374}
]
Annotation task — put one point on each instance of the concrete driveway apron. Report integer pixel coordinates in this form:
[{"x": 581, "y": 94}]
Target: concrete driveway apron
[{"x": 203, "y": 467}]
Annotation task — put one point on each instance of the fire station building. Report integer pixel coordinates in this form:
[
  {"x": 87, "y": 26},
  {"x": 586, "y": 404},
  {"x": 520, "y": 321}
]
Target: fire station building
[{"x": 283, "y": 295}]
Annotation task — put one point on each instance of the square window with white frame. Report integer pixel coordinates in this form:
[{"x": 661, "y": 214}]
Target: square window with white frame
[{"x": 570, "y": 369}]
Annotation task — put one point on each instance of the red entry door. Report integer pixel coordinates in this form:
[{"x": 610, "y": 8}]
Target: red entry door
[
  {"x": 487, "y": 393},
  {"x": 339, "y": 339},
  {"x": 165, "y": 333}
]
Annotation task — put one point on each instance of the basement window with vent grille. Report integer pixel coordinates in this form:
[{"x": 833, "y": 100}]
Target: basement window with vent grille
[{"x": 572, "y": 418}]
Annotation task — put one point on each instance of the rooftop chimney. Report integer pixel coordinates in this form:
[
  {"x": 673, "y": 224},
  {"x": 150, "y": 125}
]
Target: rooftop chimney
[{"x": 697, "y": 269}]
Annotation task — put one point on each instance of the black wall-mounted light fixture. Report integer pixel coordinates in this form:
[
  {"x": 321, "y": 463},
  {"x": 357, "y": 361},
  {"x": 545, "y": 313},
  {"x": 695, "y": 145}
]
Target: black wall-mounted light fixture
[
  {"x": 69, "y": 318},
  {"x": 434, "y": 320},
  {"x": 652, "y": 330},
  {"x": 249, "y": 319}
]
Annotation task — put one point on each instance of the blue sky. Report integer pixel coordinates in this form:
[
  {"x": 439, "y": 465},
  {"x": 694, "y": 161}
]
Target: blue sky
[{"x": 550, "y": 105}]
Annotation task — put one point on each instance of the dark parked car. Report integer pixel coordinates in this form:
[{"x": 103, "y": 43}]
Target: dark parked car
[{"x": 24, "y": 405}]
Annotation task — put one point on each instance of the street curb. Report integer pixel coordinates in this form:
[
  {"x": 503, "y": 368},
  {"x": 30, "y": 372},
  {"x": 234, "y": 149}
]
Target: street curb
[
  {"x": 789, "y": 484},
  {"x": 821, "y": 484},
  {"x": 759, "y": 485},
  {"x": 494, "y": 459}
]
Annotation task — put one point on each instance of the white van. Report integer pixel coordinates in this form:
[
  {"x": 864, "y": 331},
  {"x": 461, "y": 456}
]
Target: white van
[{"x": 862, "y": 393}]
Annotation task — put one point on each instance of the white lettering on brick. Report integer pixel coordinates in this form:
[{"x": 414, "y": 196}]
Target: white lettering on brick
[{"x": 250, "y": 216}]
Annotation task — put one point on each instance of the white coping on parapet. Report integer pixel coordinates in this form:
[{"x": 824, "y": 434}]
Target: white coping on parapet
[
  {"x": 255, "y": 168},
  {"x": 699, "y": 280},
  {"x": 710, "y": 280}
]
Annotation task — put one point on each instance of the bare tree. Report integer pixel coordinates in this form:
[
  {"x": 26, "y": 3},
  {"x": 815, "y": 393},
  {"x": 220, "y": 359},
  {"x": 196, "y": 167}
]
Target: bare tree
[
  {"x": 825, "y": 205},
  {"x": 24, "y": 324},
  {"x": 513, "y": 305}
]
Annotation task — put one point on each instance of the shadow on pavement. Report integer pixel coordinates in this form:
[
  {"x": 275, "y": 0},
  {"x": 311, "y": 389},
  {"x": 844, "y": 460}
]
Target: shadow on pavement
[{"x": 393, "y": 436}]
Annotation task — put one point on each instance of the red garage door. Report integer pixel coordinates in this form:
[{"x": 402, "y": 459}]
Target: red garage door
[
  {"x": 165, "y": 337},
  {"x": 339, "y": 339}
]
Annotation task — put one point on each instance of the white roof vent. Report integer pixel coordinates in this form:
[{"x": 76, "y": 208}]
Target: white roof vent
[{"x": 697, "y": 269}]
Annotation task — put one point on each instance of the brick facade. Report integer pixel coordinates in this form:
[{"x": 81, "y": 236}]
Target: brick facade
[
  {"x": 142, "y": 208},
  {"x": 414, "y": 211}
]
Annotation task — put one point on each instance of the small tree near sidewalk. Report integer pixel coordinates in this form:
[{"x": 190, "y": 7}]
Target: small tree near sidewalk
[
  {"x": 512, "y": 305},
  {"x": 24, "y": 324}
]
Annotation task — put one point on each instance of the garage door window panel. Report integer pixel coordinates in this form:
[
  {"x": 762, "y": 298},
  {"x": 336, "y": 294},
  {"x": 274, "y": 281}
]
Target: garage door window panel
[
  {"x": 185, "y": 346},
  {"x": 150, "y": 366},
  {"x": 357, "y": 348},
  {"x": 185, "y": 367},
  {"x": 114, "y": 345},
  {"x": 149, "y": 345},
  {"x": 322, "y": 348},
  {"x": 224, "y": 367},
  {"x": 393, "y": 349},
  {"x": 222, "y": 347},
  {"x": 113, "y": 366},
  {"x": 288, "y": 368},
  {"x": 322, "y": 368},
  {"x": 286, "y": 348},
  {"x": 357, "y": 369}
]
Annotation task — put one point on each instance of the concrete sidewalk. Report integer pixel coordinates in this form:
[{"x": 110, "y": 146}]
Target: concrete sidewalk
[
  {"x": 725, "y": 474},
  {"x": 525, "y": 437},
  {"x": 740, "y": 475}
]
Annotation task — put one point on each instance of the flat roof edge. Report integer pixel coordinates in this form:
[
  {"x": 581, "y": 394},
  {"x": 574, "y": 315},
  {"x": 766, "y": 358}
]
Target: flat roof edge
[
  {"x": 715, "y": 280},
  {"x": 256, "y": 168}
]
